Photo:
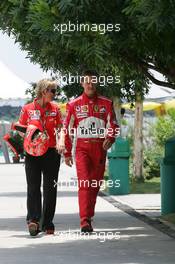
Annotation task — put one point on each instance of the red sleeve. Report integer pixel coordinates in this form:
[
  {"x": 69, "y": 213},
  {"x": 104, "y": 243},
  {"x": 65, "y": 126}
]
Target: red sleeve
[
  {"x": 113, "y": 129},
  {"x": 23, "y": 116},
  {"x": 67, "y": 121},
  {"x": 59, "y": 119}
]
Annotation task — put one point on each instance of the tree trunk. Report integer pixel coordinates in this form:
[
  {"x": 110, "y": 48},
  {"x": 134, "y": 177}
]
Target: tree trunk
[{"x": 138, "y": 141}]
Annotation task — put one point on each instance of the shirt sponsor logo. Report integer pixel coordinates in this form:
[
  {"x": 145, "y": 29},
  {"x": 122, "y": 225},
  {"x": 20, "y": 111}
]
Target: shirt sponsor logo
[
  {"x": 99, "y": 109},
  {"x": 96, "y": 108},
  {"x": 102, "y": 109},
  {"x": 34, "y": 114},
  {"x": 77, "y": 108},
  {"x": 52, "y": 114},
  {"x": 91, "y": 127},
  {"x": 81, "y": 115},
  {"x": 84, "y": 109}
]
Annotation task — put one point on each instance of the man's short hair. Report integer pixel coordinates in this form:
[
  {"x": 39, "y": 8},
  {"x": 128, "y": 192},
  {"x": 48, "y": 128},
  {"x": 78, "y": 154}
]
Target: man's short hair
[{"x": 89, "y": 73}]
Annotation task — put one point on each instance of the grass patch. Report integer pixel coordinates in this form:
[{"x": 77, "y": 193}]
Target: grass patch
[
  {"x": 169, "y": 218},
  {"x": 149, "y": 186}
]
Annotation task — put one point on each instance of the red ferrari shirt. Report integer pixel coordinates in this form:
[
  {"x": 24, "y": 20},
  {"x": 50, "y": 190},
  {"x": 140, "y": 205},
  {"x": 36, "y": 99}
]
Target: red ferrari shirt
[
  {"x": 47, "y": 118},
  {"x": 90, "y": 117}
]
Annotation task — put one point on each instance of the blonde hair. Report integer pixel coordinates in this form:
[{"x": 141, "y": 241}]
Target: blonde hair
[{"x": 44, "y": 84}]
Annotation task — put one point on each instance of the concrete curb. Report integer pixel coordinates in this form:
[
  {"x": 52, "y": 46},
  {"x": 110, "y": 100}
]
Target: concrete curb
[{"x": 159, "y": 224}]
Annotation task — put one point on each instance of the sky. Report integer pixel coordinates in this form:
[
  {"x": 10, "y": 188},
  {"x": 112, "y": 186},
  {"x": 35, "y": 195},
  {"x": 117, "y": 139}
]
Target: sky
[
  {"x": 19, "y": 68},
  {"x": 16, "y": 69}
]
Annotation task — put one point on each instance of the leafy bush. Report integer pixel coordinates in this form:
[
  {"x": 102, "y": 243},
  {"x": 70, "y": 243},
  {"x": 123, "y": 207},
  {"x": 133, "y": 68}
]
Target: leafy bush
[
  {"x": 151, "y": 162},
  {"x": 163, "y": 129}
]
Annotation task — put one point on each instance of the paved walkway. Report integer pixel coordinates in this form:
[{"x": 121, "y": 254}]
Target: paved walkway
[
  {"x": 119, "y": 238},
  {"x": 148, "y": 204}
]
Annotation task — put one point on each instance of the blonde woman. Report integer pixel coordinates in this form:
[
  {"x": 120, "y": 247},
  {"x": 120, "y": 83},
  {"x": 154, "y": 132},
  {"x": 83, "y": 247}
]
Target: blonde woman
[{"x": 42, "y": 118}]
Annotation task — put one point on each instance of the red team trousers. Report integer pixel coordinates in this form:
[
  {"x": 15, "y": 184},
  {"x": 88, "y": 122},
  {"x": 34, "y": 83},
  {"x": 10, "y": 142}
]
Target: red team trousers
[{"x": 90, "y": 164}]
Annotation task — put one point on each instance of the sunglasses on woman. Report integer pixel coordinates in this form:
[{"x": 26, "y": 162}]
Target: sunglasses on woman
[{"x": 52, "y": 90}]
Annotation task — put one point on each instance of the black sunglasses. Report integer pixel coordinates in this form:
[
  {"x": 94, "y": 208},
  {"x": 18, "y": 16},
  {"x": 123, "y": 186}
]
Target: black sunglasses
[{"x": 52, "y": 90}]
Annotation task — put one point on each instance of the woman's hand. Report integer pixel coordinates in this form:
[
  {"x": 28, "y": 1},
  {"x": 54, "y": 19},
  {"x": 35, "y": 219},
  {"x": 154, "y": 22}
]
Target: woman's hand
[
  {"x": 69, "y": 161},
  {"x": 60, "y": 148}
]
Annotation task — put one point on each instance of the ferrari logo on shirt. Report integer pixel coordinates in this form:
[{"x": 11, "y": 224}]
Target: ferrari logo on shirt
[
  {"x": 96, "y": 109},
  {"x": 84, "y": 108}
]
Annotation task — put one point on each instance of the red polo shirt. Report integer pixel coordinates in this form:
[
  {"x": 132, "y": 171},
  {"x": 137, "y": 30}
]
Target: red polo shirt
[{"x": 47, "y": 118}]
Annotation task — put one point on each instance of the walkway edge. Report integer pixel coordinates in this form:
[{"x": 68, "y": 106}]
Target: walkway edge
[{"x": 155, "y": 223}]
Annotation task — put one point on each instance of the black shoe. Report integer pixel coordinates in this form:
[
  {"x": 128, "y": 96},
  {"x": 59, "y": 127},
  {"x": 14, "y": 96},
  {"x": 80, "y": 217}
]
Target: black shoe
[
  {"x": 33, "y": 228},
  {"x": 86, "y": 229},
  {"x": 86, "y": 226},
  {"x": 49, "y": 229}
]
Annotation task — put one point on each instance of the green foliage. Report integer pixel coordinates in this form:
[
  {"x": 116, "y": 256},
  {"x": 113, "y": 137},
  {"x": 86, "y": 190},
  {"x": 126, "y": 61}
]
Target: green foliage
[
  {"x": 148, "y": 186},
  {"x": 163, "y": 129},
  {"x": 145, "y": 41},
  {"x": 30, "y": 92},
  {"x": 169, "y": 217},
  {"x": 171, "y": 114},
  {"x": 151, "y": 164},
  {"x": 156, "y": 21}
]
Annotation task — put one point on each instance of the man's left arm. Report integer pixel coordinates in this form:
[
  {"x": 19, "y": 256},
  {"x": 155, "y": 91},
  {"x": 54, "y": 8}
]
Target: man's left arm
[
  {"x": 60, "y": 135},
  {"x": 113, "y": 129}
]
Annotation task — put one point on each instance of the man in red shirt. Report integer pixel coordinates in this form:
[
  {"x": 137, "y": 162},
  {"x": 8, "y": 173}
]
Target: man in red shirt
[
  {"x": 46, "y": 116},
  {"x": 89, "y": 115}
]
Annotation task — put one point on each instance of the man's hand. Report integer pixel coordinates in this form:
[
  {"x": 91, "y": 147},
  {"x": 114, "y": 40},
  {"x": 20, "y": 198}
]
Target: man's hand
[
  {"x": 107, "y": 144},
  {"x": 60, "y": 140},
  {"x": 69, "y": 161},
  {"x": 60, "y": 148}
]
